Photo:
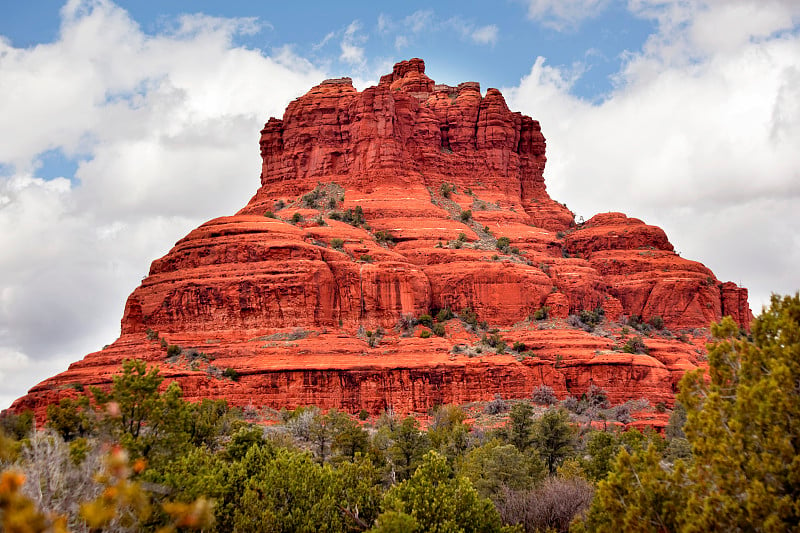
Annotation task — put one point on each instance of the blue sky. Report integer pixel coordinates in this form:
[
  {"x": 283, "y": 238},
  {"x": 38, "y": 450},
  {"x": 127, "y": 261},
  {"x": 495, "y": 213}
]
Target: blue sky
[{"x": 125, "y": 125}]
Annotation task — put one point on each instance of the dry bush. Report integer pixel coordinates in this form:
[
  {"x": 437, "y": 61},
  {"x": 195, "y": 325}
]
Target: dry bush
[
  {"x": 622, "y": 413},
  {"x": 56, "y": 482},
  {"x": 551, "y": 505},
  {"x": 597, "y": 397},
  {"x": 301, "y": 424},
  {"x": 406, "y": 324},
  {"x": 496, "y": 406},
  {"x": 570, "y": 403},
  {"x": 544, "y": 395}
]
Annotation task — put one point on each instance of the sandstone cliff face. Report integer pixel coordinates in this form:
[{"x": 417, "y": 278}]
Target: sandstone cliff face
[
  {"x": 407, "y": 133},
  {"x": 378, "y": 206}
]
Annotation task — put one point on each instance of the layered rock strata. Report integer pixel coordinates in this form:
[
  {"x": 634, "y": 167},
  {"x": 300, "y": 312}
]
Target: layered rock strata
[{"x": 376, "y": 207}]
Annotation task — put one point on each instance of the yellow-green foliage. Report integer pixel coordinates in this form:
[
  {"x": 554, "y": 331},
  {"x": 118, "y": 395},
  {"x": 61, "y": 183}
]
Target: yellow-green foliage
[
  {"x": 121, "y": 505},
  {"x": 121, "y": 501}
]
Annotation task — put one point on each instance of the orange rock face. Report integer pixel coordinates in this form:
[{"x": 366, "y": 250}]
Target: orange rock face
[{"x": 379, "y": 206}]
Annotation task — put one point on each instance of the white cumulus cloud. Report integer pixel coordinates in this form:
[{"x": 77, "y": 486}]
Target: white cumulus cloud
[
  {"x": 470, "y": 31},
  {"x": 352, "y": 51},
  {"x": 485, "y": 34},
  {"x": 564, "y": 14}
]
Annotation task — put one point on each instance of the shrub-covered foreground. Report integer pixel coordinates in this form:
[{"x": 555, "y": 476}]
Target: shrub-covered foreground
[{"x": 139, "y": 458}]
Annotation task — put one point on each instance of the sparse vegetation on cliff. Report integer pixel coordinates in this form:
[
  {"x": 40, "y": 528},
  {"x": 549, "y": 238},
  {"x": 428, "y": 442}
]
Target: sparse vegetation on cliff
[
  {"x": 354, "y": 217},
  {"x": 446, "y": 189},
  {"x": 635, "y": 344}
]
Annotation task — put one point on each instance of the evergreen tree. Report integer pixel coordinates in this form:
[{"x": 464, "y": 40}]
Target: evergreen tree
[
  {"x": 348, "y": 437},
  {"x": 495, "y": 466},
  {"x": 287, "y": 491},
  {"x": 448, "y": 433},
  {"x": 520, "y": 426},
  {"x": 601, "y": 447},
  {"x": 147, "y": 422},
  {"x": 406, "y": 449},
  {"x": 436, "y": 500},
  {"x": 639, "y": 495},
  {"x": 553, "y": 437},
  {"x": 71, "y": 418}
]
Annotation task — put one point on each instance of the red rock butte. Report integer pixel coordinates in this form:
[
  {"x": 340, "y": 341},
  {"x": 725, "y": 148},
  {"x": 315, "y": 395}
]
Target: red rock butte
[{"x": 376, "y": 207}]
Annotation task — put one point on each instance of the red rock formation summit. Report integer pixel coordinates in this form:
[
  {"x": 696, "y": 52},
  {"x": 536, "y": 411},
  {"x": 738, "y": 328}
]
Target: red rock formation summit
[{"x": 378, "y": 206}]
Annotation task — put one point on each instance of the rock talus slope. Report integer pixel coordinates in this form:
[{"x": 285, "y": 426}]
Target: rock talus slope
[{"x": 377, "y": 207}]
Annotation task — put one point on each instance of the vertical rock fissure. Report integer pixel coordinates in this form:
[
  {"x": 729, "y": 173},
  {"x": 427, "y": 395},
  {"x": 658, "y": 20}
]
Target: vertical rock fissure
[
  {"x": 361, "y": 307},
  {"x": 477, "y": 122}
]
